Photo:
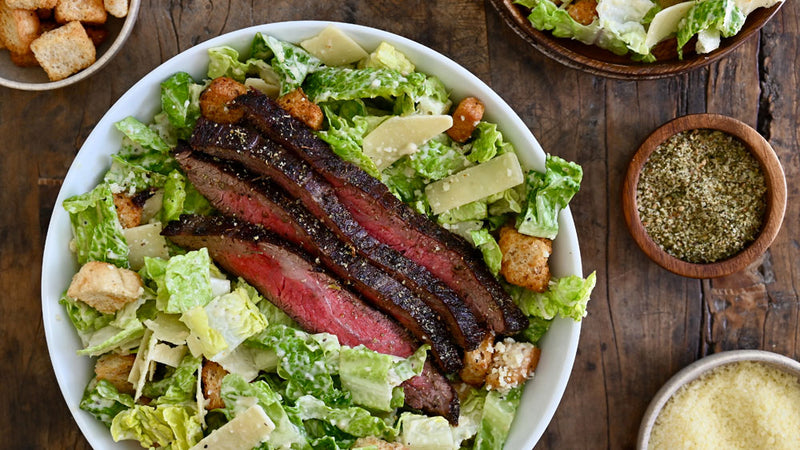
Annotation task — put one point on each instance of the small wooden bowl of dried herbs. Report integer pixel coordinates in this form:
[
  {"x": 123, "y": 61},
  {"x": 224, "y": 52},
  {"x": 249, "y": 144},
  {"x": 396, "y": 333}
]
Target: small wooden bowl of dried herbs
[{"x": 704, "y": 196}]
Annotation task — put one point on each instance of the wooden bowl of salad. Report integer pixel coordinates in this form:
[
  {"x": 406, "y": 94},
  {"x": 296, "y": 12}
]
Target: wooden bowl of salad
[{"x": 552, "y": 30}]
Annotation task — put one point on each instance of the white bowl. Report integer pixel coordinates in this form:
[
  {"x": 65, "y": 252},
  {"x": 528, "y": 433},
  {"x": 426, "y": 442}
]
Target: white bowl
[
  {"x": 699, "y": 368},
  {"x": 542, "y": 394},
  {"x": 35, "y": 78}
]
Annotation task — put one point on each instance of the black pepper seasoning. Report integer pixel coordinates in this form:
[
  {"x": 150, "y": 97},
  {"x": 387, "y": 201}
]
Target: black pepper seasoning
[{"x": 702, "y": 196}]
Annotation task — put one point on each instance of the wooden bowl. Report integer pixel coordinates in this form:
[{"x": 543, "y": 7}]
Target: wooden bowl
[
  {"x": 700, "y": 368},
  {"x": 35, "y": 78},
  {"x": 598, "y": 61},
  {"x": 776, "y": 195}
]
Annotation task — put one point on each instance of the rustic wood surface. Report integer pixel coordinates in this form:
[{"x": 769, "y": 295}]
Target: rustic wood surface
[{"x": 644, "y": 323}]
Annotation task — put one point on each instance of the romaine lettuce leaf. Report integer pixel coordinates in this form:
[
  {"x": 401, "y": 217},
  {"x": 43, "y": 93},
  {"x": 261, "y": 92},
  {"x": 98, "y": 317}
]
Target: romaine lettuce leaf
[
  {"x": 123, "y": 332},
  {"x": 181, "y": 197},
  {"x": 84, "y": 318},
  {"x": 497, "y": 414},
  {"x": 425, "y": 432},
  {"x": 487, "y": 144},
  {"x": 180, "y": 100},
  {"x": 223, "y": 61},
  {"x": 567, "y": 296},
  {"x": 183, "y": 282},
  {"x": 126, "y": 177},
  {"x": 436, "y": 159},
  {"x": 386, "y": 56},
  {"x": 373, "y": 379},
  {"x": 290, "y": 62},
  {"x": 102, "y": 400},
  {"x": 537, "y": 327},
  {"x": 352, "y": 420},
  {"x": 622, "y": 21},
  {"x": 477, "y": 210},
  {"x": 720, "y": 15},
  {"x": 490, "y": 249},
  {"x": 238, "y": 395},
  {"x": 144, "y": 147},
  {"x": 346, "y": 139},
  {"x": 339, "y": 83},
  {"x": 178, "y": 386},
  {"x": 171, "y": 426},
  {"x": 547, "y": 194},
  {"x": 96, "y": 228}
]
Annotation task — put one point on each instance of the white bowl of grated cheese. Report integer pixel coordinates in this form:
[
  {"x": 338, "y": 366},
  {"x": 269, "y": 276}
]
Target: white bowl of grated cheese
[{"x": 745, "y": 399}]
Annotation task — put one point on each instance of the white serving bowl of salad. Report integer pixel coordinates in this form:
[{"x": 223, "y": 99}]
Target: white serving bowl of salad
[{"x": 558, "y": 347}]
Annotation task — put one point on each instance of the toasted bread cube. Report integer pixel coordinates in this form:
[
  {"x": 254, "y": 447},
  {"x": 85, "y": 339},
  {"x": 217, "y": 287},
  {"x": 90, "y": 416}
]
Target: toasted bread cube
[
  {"x": 86, "y": 11},
  {"x": 64, "y": 51},
  {"x": 477, "y": 362},
  {"x": 31, "y": 4},
  {"x": 466, "y": 117},
  {"x": 525, "y": 259},
  {"x": 212, "y": 376},
  {"x": 512, "y": 364},
  {"x": 18, "y": 28},
  {"x": 129, "y": 213},
  {"x": 217, "y": 96},
  {"x": 27, "y": 59},
  {"x": 97, "y": 34},
  {"x": 115, "y": 369},
  {"x": 117, "y": 8},
  {"x": 297, "y": 104},
  {"x": 105, "y": 287}
]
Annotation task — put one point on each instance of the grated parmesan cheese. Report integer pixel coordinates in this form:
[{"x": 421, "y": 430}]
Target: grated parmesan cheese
[{"x": 745, "y": 405}]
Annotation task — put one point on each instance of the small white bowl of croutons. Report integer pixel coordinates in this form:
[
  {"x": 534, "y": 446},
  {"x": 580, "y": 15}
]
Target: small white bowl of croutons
[{"x": 50, "y": 44}]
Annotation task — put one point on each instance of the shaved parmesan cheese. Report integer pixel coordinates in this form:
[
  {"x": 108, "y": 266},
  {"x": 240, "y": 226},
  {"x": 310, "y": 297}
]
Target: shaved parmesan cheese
[
  {"x": 270, "y": 90},
  {"x": 145, "y": 240},
  {"x": 402, "y": 135},
  {"x": 168, "y": 328},
  {"x": 170, "y": 356},
  {"x": 141, "y": 365},
  {"x": 474, "y": 183},
  {"x": 247, "y": 430},
  {"x": 665, "y": 23},
  {"x": 334, "y": 48}
]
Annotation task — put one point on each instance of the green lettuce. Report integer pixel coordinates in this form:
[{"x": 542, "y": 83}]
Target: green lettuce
[
  {"x": 144, "y": 147},
  {"x": 180, "y": 100},
  {"x": 125, "y": 176},
  {"x": 183, "y": 282},
  {"x": 102, "y": 400},
  {"x": 346, "y": 139},
  {"x": 547, "y": 194},
  {"x": 238, "y": 394},
  {"x": 477, "y": 210},
  {"x": 84, "y": 318},
  {"x": 373, "y": 379},
  {"x": 496, "y": 417},
  {"x": 338, "y": 83},
  {"x": 721, "y": 16},
  {"x": 223, "y": 61},
  {"x": 181, "y": 197},
  {"x": 178, "y": 385},
  {"x": 171, "y": 426},
  {"x": 290, "y": 62},
  {"x": 437, "y": 158},
  {"x": 567, "y": 296},
  {"x": 96, "y": 229},
  {"x": 537, "y": 327},
  {"x": 487, "y": 144},
  {"x": 425, "y": 432},
  {"x": 490, "y": 249},
  {"x": 386, "y": 56},
  {"x": 352, "y": 420}
]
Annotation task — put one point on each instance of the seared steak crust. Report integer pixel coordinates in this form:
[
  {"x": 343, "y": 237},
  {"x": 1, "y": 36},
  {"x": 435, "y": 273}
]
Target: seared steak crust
[
  {"x": 235, "y": 191},
  {"x": 299, "y": 180},
  {"x": 293, "y": 283},
  {"x": 388, "y": 219}
]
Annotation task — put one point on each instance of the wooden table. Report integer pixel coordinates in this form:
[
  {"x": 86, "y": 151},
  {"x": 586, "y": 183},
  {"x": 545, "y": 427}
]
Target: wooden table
[{"x": 644, "y": 323}]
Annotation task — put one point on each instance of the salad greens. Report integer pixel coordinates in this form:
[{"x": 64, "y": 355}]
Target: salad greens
[
  {"x": 634, "y": 27},
  {"x": 318, "y": 393}
]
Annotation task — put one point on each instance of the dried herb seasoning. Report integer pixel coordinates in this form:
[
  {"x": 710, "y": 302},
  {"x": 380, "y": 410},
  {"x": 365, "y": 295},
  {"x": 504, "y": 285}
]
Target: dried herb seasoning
[{"x": 702, "y": 196}]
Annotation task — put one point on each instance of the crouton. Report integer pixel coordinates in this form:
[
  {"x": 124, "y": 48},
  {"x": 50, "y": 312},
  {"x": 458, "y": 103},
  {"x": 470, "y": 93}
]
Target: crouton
[
  {"x": 477, "y": 362},
  {"x": 64, "y": 51},
  {"x": 583, "y": 11},
  {"x": 86, "y": 11},
  {"x": 18, "y": 28},
  {"x": 115, "y": 369},
  {"x": 27, "y": 59},
  {"x": 117, "y": 8},
  {"x": 105, "y": 287},
  {"x": 525, "y": 259},
  {"x": 212, "y": 375},
  {"x": 297, "y": 104},
  {"x": 466, "y": 117},
  {"x": 31, "y": 4},
  {"x": 513, "y": 363},
  {"x": 215, "y": 99},
  {"x": 379, "y": 444},
  {"x": 97, "y": 34},
  {"x": 129, "y": 213}
]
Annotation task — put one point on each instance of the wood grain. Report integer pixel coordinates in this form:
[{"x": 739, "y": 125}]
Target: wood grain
[{"x": 644, "y": 323}]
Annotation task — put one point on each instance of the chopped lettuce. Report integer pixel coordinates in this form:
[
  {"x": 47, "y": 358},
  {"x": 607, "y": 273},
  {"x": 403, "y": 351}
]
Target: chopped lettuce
[
  {"x": 352, "y": 420},
  {"x": 178, "y": 386},
  {"x": 224, "y": 61},
  {"x": 373, "y": 379},
  {"x": 290, "y": 62},
  {"x": 567, "y": 296},
  {"x": 420, "y": 432},
  {"x": 385, "y": 56},
  {"x": 144, "y": 147},
  {"x": 102, "y": 400},
  {"x": 718, "y": 16},
  {"x": 121, "y": 333},
  {"x": 547, "y": 194},
  {"x": 437, "y": 158},
  {"x": 181, "y": 197},
  {"x": 497, "y": 414},
  {"x": 339, "y": 83},
  {"x": 487, "y": 144},
  {"x": 477, "y": 210},
  {"x": 172, "y": 426},
  {"x": 96, "y": 228},
  {"x": 129, "y": 178},
  {"x": 537, "y": 327},
  {"x": 84, "y": 318},
  {"x": 490, "y": 249},
  {"x": 183, "y": 282},
  {"x": 180, "y": 100},
  {"x": 346, "y": 139}
]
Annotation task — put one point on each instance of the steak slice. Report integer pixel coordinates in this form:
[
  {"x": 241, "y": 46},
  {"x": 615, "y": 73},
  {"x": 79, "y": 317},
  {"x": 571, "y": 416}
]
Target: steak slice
[
  {"x": 234, "y": 191},
  {"x": 391, "y": 221},
  {"x": 311, "y": 297},
  {"x": 298, "y": 179}
]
